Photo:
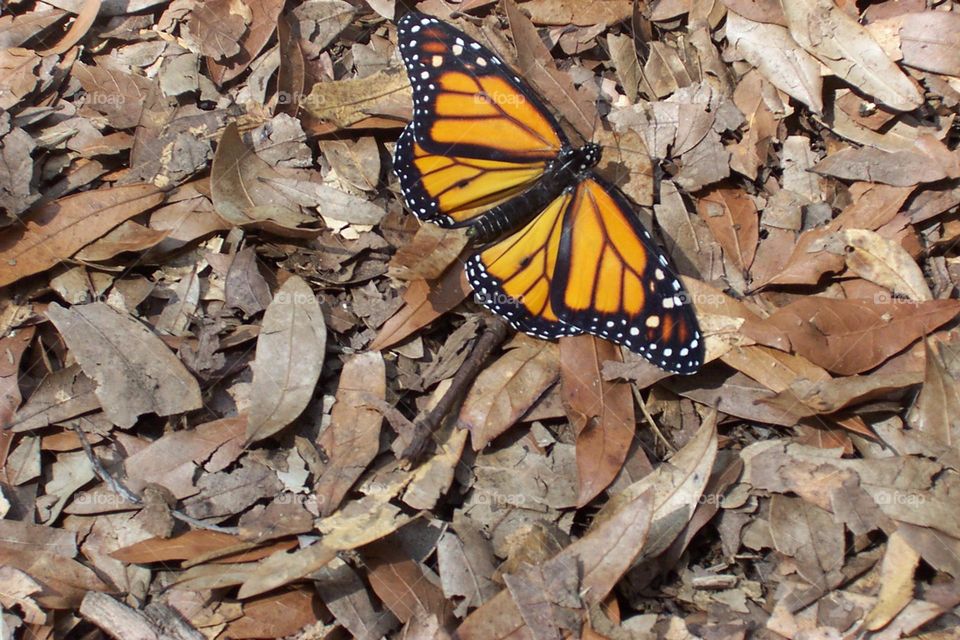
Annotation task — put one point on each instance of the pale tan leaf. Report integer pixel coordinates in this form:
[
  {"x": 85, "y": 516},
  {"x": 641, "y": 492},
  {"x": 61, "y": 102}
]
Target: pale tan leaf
[
  {"x": 290, "y": 352},
  {"x": 135, "y": 372},
  {"x": 777, "y": 56},
  {"x": 896, "y": 582},
  {"x": 843, "y": 45},
  {"x": 885, "y": 262}
]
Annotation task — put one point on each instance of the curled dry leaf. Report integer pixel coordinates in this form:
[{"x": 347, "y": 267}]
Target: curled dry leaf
[
  {"x": 676, "y": 487},
  {"x": 290, "y": 352},
  {"x": 135, "y": 372},
  {"x": 240, "y": 187}
]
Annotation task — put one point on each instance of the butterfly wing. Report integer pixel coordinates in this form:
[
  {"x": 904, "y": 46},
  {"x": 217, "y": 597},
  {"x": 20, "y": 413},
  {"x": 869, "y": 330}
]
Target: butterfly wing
[
  {"x": 514, "y": 277},
  {"x": 612, "y": 280},
  {"x": 479, "y": 135}
]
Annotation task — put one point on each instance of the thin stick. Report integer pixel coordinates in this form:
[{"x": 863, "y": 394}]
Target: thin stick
[
  {"x": 651, "y": 422},
  {"x": 494, "y": 333},
  {"x": 123, "y": 491}
]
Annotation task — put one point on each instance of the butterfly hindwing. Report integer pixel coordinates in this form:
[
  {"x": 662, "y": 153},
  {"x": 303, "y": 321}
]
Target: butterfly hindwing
[
  {"x": 612, "y": 280},
  {"x": 514, "y": 277}
]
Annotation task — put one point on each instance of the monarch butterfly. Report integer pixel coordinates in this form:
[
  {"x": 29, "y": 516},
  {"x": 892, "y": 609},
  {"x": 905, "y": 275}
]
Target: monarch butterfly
[{"x": 560, "y": 251}]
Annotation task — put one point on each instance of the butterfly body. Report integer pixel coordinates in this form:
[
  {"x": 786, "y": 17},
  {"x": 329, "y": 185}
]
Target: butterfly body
[
  {"x": 560, "y": 251},
  {"x": 571, "y": 166}
]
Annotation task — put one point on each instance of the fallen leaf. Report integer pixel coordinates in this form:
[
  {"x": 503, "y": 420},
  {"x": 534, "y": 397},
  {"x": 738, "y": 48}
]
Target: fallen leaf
[
  {"x": 604, "y": 554},
  {"x": 507, "y": 389},
  {"x": 352, "y": 439},
  {"x": 600, "y": 411},
  {"x": 134, "y": 371},
  {"x": 777, "y": 56},
  {"x": 852, "y": 336},
  {"x": 885, "y": 262},
  {"x": 57, "y": 230},
  {"x": 896, "y": 582},
  {"x": 842, "y": 44},
  {"x": 898, "y": 168},
  {"x": 290, "y": 352},
  {"x": 733, "y": 219}
]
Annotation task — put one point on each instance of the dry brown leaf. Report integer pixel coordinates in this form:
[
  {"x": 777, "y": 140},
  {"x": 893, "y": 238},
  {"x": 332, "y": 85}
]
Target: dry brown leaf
[
  {"x": 57, "y": 230},
  {"x": 605, "y": 553},
  {"x": 290, "y": 352},
  {"x": 216, "y": 29},
  {"x": 240, "y": 189},
  {"x": 733, "y": 219},
  {"x": 262, "y": 24},
  {"x": 173, "y": 460},
  {"x": 63, "y": 394},
  {"x": 843, "y": 45},
  {"x": 852, "y": 336},
  {"x": 929, "y": 40},
  {"x": 276, "y": 615},
  {"x": 600, "y": 411},
  {"x": 938, "y": 405},
  {"x": 899, "y": 168},
  {"x": 811, "y": 536},
  {"x": 283, "y": 568},
  {"x": 347, "y": 103},
  {"x": 352, "y": 438},
  {"x": 539, "y": 69},
  {"x": 194, "y": 543},
  {"x": 423, "y": 302},
  {"x": 506, "y": 389},
  {"x": 676, "y": 486},
  {"x": 402, "y": 584},
  {"x": 134, "y": 371}
]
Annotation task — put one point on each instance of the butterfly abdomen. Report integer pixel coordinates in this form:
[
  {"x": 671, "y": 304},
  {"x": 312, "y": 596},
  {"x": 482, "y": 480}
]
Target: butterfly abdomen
[{"x": 571, "y": 166}]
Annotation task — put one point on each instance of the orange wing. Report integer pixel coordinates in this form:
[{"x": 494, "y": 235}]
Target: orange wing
[
  {"x": 478, "y": 136},
  {"x": 613, "y": 281},
  {"x": 586, "y": 264}
]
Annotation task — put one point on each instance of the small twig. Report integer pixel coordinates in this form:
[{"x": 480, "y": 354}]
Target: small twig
[
  {"x": 124, "y": 492},
  {"x": 651, "y": 422},
  {"x": 494, "y": 333}
]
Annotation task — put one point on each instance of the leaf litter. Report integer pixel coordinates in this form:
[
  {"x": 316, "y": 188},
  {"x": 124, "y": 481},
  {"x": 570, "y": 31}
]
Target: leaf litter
[{"x": 246, "y": 395}]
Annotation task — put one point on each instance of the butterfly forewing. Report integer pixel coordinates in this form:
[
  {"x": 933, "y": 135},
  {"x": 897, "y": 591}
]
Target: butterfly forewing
[{"x": 478, "y": 136}]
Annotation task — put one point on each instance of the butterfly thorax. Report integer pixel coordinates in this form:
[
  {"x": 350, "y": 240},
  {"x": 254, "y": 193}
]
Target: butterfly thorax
[{"x": 570, "y": 167}]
